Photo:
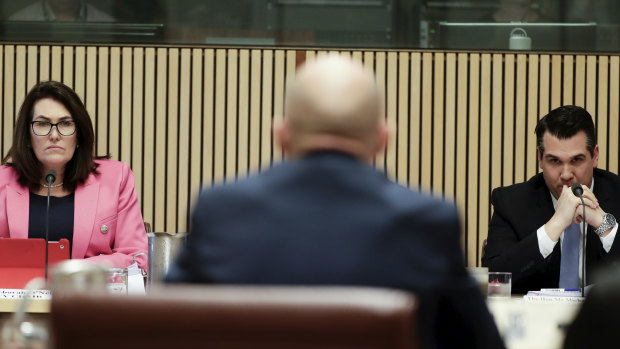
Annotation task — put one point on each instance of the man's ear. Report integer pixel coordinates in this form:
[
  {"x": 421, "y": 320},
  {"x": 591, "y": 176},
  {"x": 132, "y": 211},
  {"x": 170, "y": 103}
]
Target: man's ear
[
  {"x": 595, "y": 156},
  {"x": 383, "y": 136},
  {"x": 539, "y": 154},
  {"x": 283, "y": 135}
]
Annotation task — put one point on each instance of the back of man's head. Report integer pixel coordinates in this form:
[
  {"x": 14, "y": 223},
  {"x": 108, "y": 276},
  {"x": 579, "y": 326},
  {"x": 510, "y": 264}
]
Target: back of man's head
[
  {"x": 333, "y": 104},
  {"x": 565, "y": 122}
]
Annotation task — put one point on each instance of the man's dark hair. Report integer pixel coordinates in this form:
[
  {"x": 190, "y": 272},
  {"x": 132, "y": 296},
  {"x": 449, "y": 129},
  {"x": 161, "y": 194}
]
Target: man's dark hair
[
  {"x": 21, "y": 156},
  {"x": 565, "y": 122}
]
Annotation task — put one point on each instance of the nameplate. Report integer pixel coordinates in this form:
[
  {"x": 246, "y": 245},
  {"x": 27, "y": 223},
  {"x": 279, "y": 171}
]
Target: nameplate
[{"x": 7, "y": 293}]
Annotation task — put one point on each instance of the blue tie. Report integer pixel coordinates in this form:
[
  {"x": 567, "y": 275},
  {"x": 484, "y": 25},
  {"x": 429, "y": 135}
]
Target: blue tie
[{"x": 569, "y": 269}]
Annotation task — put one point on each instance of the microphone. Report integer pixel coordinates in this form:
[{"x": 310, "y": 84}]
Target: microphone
[
  {"x": 578, "y": 191},
  {"x": 50, "y": 177}
]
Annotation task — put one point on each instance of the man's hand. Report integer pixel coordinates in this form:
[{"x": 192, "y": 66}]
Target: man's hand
[
  {"x": 594, "y": 214},
  {"x": 568, "y": 210}
]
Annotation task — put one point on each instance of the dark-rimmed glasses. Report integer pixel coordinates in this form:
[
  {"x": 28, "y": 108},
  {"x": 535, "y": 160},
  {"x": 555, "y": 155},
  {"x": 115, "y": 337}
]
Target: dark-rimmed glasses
[{"x": 43, "y": 128}]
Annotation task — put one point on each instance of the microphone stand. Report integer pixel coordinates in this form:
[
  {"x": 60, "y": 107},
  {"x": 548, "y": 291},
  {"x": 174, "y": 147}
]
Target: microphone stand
[
  {"x": 47, "y": 228},
  {"x": 50, "y": 177},
  {"x": 583, "y": 249},
  {"x": 578, "y": 192}
]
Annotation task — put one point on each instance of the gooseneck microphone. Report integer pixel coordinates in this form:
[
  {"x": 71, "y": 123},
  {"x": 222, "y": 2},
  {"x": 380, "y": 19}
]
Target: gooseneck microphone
[
  {"x": 50, "y": 177},
  {"x": 578, "y": 191}
]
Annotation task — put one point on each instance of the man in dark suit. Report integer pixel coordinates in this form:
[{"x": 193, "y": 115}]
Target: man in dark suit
[
  {"x": 530, "y": 218},
  {"x": 326, "y": 217}
]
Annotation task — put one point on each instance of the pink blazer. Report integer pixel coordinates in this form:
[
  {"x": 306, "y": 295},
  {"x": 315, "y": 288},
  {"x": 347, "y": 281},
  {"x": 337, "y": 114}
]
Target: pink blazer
[{"x": 108, "y": 225}]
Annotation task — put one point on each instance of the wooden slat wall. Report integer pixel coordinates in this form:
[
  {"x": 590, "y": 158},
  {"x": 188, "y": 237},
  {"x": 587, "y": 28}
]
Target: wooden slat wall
[{"x": 190, "y": 118}]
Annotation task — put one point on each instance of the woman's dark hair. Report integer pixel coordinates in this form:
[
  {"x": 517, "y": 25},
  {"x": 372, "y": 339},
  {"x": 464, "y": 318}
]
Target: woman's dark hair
[{"x": 22, "y": 156}]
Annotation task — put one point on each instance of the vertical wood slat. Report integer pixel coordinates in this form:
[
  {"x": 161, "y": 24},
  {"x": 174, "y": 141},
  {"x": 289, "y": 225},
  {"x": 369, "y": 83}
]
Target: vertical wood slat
[
  {"x": 44, "y": 62},
  {"x": 32, "y": 73},
  {"x": 266, "y": 110},
  {"x": 101, "y": 115},
  {"x": 520, "y": 135},
  {"x": 438, "y": 124},
  {"x": 183, "y": 167},
  {"x": 415, "y": 99},
  {"x": 531, "y": 116},
  {"x": 208, "y": 116},
  {"x": 160, "y": 103},
  {"x": 90, "y": 88},
  {"x": 255, "y": 103},
  {"x": 231, "y": 114},
  {"x": 67, "y": 66},
  {"x": 509, "y": 119},
  {"x": 219, "y": 116},
  {"x": 601, "y": 110},
  {"x": 196, "y": 126},
  {"x": 291, "y": 66},
  {"x": 243, "y": 134},
  {"x": 80, "y": 72},
  {"x": 484, "y": 155},
  {"x": 7, "y": 92},
  {"x": 56, "y": 63},
  {"x": 544, "y": 83},
  {"x": 450, "y": 132},
  {"x": 496, "y": 121},
  {"x": 148, "y": 136},
  {"x": 20, "y": 76},
  {"x": 580, "y": 81},
  {"x": 391, "y": 90},
  {"x": 478, "y": 126},
  {"x": 403, "y": 118},
  {"x": 126, "y": 103},
  {"x": 137, "y": 127},
  {"x": 568, "y": 80},
  {"x": 473, "y": 160},
  {"x": 278, "y": 99},
  {"x": 556, "y": 81},
  {"x": 380, "y": 71},
  {"x": 591, "y": 78},
  {"x": 114, "y": 108},
  {"x": 427, "y": 121},
  {"x": 461, "y": 141},
  {"x": 171, "y": 131}
]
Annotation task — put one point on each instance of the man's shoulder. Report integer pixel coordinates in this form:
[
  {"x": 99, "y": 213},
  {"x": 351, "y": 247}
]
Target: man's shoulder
[
  {"x": 519, "y": 193},
  {"x": 607, "y": 176}
]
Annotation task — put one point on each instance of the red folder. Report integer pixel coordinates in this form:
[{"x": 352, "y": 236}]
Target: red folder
[{"x": 21, "y": 260}]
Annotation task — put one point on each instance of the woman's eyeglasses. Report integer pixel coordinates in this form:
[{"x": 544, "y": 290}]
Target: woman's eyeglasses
[{"x": 43, "y": 128}]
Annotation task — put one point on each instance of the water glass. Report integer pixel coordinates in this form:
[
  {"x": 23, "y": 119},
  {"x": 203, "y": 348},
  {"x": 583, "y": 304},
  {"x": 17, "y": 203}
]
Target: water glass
[{"x": 500, "y": 284}]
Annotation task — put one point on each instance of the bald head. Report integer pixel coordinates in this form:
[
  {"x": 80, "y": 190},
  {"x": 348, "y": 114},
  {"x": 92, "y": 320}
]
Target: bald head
[{"x": 333, "y": 104}]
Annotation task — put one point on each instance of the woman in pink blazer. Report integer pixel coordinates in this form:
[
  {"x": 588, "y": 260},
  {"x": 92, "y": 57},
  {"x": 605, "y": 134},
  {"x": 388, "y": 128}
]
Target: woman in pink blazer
[{"x": 93, "y": 200}]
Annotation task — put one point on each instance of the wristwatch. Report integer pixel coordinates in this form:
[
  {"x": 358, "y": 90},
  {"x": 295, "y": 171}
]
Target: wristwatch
[{"x": 608, "y": 221}]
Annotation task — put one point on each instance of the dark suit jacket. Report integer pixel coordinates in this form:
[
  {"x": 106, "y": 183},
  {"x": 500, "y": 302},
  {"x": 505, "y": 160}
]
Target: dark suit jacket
[
  {"x": 328, "y": 219},
  {"x": 519, "y": 210}
]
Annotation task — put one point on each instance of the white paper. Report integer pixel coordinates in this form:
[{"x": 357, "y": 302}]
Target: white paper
[{"x": 135, "y": 280}]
